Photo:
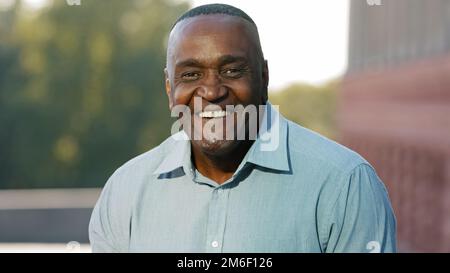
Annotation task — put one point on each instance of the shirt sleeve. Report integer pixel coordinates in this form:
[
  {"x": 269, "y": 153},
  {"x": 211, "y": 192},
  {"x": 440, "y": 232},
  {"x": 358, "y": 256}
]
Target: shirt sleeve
[
  {"x": 362, "y": 219},
  {"x": 108, "y": 228}
]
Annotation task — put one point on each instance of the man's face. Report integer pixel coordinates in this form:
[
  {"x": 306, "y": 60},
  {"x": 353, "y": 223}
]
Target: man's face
[{"x": 215, "y": 59}]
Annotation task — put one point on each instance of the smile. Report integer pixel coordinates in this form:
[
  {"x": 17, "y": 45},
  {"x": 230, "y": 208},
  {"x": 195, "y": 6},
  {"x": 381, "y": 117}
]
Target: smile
[{"x": 213, "y": 114}]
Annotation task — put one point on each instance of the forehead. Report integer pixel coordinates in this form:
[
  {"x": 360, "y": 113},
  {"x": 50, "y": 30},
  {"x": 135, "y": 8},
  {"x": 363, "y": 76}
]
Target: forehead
[{"x": 209, "y": 36}]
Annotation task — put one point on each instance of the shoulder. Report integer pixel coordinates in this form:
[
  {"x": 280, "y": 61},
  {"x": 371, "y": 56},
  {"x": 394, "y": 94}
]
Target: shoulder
[
  {"x": 326, "y": 165},
  {"x": 147, "y": 162},
  {"x": 310, "y": 147},
  {"x": 132, "y": 174},
  {"x": 110, "y": 220},
  {"x": 350, "y": 194}
]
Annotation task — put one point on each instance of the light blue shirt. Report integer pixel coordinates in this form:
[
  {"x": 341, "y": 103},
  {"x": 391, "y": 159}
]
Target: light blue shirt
[{"x": 308, "y": 195}]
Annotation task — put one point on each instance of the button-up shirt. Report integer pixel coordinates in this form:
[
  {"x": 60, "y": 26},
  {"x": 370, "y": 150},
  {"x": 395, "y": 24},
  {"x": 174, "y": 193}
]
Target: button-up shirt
[{"x": 310, "y": 194}]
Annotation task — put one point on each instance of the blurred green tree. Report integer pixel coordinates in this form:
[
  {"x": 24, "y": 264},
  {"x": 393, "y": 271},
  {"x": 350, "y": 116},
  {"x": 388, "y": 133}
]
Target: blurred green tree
[
  {"x": 81, "y": 89},
  {"x": 310, "y": 106}
]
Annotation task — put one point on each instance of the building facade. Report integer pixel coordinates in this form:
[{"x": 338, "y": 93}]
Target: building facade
[{"x": 394, "y": 109}]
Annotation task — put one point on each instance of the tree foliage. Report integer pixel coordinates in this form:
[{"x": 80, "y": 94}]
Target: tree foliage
[
  {"x": 310, "y": 106},
  {"x": 81, "y": 89}
]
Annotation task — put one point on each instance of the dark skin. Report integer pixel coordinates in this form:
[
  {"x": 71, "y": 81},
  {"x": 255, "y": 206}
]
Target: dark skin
[{"x": 219, "y": 59}]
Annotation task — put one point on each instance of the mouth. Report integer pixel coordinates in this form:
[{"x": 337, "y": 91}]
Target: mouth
[{"x": 214, "y": 114}]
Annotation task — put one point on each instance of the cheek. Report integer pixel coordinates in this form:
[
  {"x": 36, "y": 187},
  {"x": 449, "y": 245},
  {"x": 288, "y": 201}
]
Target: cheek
[
  {"x": 182, "y": 96},
  {"x": 248, "y": 94}
]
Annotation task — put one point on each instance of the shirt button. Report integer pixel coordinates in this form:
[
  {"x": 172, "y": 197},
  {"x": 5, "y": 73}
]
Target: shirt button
[{"x": 215, "y": 244}]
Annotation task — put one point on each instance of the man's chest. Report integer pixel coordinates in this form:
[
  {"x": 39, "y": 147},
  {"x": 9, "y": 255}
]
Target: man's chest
[{"x": 269, "y": 219}]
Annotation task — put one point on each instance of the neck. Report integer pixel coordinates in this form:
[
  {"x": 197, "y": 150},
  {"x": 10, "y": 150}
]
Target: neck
[{"x": 220, "y": 168}]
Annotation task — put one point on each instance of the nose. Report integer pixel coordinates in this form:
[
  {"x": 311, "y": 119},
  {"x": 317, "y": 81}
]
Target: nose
[{"x": 212, "y": 88}]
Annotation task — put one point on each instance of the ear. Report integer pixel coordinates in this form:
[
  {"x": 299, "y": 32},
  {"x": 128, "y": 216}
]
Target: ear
[
  {"x": 265, "y": 78},
  {"x": 168, "y": 88}
]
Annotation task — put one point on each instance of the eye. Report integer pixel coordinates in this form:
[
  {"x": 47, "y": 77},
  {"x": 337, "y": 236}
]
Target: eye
[
  {"x": 233, "y": 72},
  {"x": 190, "y": 76}
]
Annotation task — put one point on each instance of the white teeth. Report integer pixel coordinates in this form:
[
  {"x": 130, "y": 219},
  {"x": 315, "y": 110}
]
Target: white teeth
[{"x": 213, "y": 114}]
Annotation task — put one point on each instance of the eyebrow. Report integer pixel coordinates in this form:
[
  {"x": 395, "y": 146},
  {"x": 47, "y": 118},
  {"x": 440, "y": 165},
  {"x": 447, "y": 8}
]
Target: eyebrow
[
  {"x": 227, "y": 59},
  {"x": 223, "y": 60},
  {"x": 189, "y": 62}
]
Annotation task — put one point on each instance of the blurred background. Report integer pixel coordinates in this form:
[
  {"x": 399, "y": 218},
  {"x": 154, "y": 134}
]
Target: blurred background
[{"x": 82, "y": 92}]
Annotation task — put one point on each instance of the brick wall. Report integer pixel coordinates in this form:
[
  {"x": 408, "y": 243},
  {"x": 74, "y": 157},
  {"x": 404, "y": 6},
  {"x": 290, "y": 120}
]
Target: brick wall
[{"x": 399, "y": 119}]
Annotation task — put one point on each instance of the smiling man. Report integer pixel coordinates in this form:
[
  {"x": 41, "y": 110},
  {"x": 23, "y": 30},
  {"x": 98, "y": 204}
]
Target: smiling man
[{"x": 221, "y": 188}]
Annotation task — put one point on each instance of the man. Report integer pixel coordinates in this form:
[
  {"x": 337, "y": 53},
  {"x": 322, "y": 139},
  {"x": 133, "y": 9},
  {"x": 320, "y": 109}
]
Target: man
[{"x": 211, "y": 193}]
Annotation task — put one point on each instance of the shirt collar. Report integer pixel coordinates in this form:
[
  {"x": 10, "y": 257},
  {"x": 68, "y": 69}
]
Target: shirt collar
[
  {"x": 270, "y": 149},
  {"x": 179, "y": 154}
]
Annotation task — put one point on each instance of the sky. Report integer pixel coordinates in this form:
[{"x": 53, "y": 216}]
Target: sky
[{"x": 303, "y": 40}]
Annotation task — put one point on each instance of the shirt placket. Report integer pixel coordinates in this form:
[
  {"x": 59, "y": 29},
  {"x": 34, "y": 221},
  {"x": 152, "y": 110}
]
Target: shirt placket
[{"x": 217, "y": 220}]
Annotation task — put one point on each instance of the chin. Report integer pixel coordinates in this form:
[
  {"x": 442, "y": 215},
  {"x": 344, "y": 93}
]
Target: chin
[{"x": 217, "y": 147}]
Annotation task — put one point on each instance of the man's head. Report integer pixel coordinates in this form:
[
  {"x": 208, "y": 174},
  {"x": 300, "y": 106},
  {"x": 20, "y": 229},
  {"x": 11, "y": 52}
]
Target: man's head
[{"x": 214, "y": 54}]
